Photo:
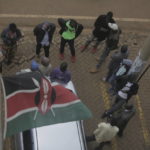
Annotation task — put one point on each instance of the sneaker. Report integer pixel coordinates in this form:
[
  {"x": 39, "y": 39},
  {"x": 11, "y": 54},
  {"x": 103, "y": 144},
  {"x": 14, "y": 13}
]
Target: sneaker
[
  {"x": 94, "y": 70},
  {"x": 73, "y": 59},
  {"x": 97, "y": 58},
  {"x": 61, "y": 56},
  {"x": 104, "y": 79},
  {"x": 93, "y": 50}
]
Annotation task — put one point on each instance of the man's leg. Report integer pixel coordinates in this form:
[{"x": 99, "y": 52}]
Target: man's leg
[
  {"x": 46, "y": 50},
  {"x": 62, "y": 46},
  {"x": 114, "y": 108},
  {"x": 96, "y": 45},
  {"x": 11, "y": 53},
  {"x": 38, "y": 49},
  {"x": 72, "y": 49},
  {"x": 87, "y": 43},
  {"x": 103, "y": 57}
]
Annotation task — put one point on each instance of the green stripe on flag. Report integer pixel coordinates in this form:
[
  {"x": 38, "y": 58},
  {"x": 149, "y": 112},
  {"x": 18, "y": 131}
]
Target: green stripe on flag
[{"x": 77, "y": 111}]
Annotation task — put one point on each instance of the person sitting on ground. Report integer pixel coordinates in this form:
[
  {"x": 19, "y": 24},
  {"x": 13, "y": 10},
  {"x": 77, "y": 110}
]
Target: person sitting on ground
[
  {"x": 61, "y": 74},
  {"x": 45, "y": 67},
  {"x": 100, "y": 32},
  {"x": 103, "y": 134},
  {"x": 34, "y": 66}
]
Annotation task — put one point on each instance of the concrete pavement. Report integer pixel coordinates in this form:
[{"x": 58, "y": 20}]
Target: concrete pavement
[{"x": 92, "y": 90}]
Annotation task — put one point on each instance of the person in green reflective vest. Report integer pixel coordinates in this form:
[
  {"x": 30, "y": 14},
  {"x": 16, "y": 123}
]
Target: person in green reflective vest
[{"x": 70, "y": 30}]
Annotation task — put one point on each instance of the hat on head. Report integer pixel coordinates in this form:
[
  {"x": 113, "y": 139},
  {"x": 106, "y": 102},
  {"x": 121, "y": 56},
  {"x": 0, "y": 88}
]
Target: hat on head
[
  {"x": 110, "y": 14},
  {"x": 13, "y": 27},
  {"x": 45, "y": 61},
  {"x": 34, "y": 65},
  {"x": 124, "y": 48},
  {"x": 113, "y": 26}
]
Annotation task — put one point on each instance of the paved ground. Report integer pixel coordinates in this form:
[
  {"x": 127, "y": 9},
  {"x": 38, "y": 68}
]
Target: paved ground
[{"x": 92, "y": 90}]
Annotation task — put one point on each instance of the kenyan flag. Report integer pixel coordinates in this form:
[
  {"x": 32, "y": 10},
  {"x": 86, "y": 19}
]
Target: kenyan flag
[{"x": 32, "y": 102}]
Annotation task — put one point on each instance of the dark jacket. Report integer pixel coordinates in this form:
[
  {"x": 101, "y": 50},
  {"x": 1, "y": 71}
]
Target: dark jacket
[
  {"x": 113, "y": 39},
  {"x": 116, "y": 59},
  {"x": 122, "y": 118},
  {"x": 39, "y": 32},
  {"x": 62, "y": 23},
  {"x": 101, "y": 29},
  {"x": 6, "y": 38}
]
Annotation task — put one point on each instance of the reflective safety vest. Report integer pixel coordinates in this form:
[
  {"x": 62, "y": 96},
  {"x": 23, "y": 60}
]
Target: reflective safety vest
[{"x": 69, "y": 34}]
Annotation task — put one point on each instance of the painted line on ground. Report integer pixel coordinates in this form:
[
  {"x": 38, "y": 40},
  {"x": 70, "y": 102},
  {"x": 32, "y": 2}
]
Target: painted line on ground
[
  {"x": 145, "y": 131},
  {"x": 146, "y": 20},
  {"x": 107, "y": 104}
]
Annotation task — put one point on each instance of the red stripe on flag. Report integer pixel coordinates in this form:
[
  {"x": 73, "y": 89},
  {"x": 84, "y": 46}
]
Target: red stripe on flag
[
  {"x": 19, "y": 102},
  {"x": 63, "y": 95},
  {"x": 23, "y": 101}
]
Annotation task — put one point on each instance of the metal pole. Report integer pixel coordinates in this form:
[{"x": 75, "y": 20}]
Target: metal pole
[
  {"x": 139, "y": 78},
  {"x": 1, "y": 120},
  {"x": 141, "y": 59}
]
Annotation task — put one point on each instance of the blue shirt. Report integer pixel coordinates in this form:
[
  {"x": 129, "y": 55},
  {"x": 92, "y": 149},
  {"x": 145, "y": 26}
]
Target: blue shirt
[{"x": 58, "y": 75}]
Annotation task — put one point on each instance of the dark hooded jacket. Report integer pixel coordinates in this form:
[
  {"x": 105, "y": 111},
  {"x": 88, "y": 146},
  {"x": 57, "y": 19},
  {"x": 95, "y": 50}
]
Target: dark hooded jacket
[
  {"x": 101, "y": 29},
  {"x": 78, "y": 27},
  {"x": 39, "y": 32}
]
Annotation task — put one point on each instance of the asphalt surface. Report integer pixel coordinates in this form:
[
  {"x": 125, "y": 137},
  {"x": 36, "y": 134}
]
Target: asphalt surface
[{"x": 89, "y": 87}]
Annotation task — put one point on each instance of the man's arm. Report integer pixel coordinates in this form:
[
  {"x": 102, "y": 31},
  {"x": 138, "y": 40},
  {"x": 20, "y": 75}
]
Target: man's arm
[
  {"x": 79, "y": 30},
  {"x": 51, "y": 32}
]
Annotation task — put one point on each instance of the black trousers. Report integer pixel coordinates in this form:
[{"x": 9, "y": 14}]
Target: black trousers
[
  {"x": 71, "y": 45},
  {"x": 46, "y": 49},
  {"x": 119, "y": 102}
]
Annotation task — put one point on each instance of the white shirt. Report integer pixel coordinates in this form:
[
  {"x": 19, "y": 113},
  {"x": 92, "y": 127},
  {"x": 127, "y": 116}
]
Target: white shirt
[
  {"x": 105, "y": 132},
  {"x": 45, "y": 41}
]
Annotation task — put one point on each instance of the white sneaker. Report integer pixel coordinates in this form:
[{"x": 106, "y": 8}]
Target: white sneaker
[{"x": 104, "y": 79}]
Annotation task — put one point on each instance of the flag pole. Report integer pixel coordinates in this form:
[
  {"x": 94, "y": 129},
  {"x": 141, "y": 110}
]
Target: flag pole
[
  {"x": 1, "y": 121},
  {"x": 139, "y": 78},
  {"x": 141, "y": 60}
]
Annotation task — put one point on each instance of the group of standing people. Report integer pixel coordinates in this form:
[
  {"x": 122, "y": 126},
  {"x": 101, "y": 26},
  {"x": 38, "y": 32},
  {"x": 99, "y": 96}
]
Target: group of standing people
[
  {"x": 70, "y": 30},
  {"x": 123, "y": 84},
  {"x": 44, "y": 32}
]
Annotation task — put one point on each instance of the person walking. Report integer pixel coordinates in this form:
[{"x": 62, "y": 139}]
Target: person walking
[
  {"x": 44, "y": 35},
  {"x": 100, "y": 32},
  {"x": 103, "y": 134},
  {"x": 111, "y": 44},
  {"x": 70, "y": 30}
]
